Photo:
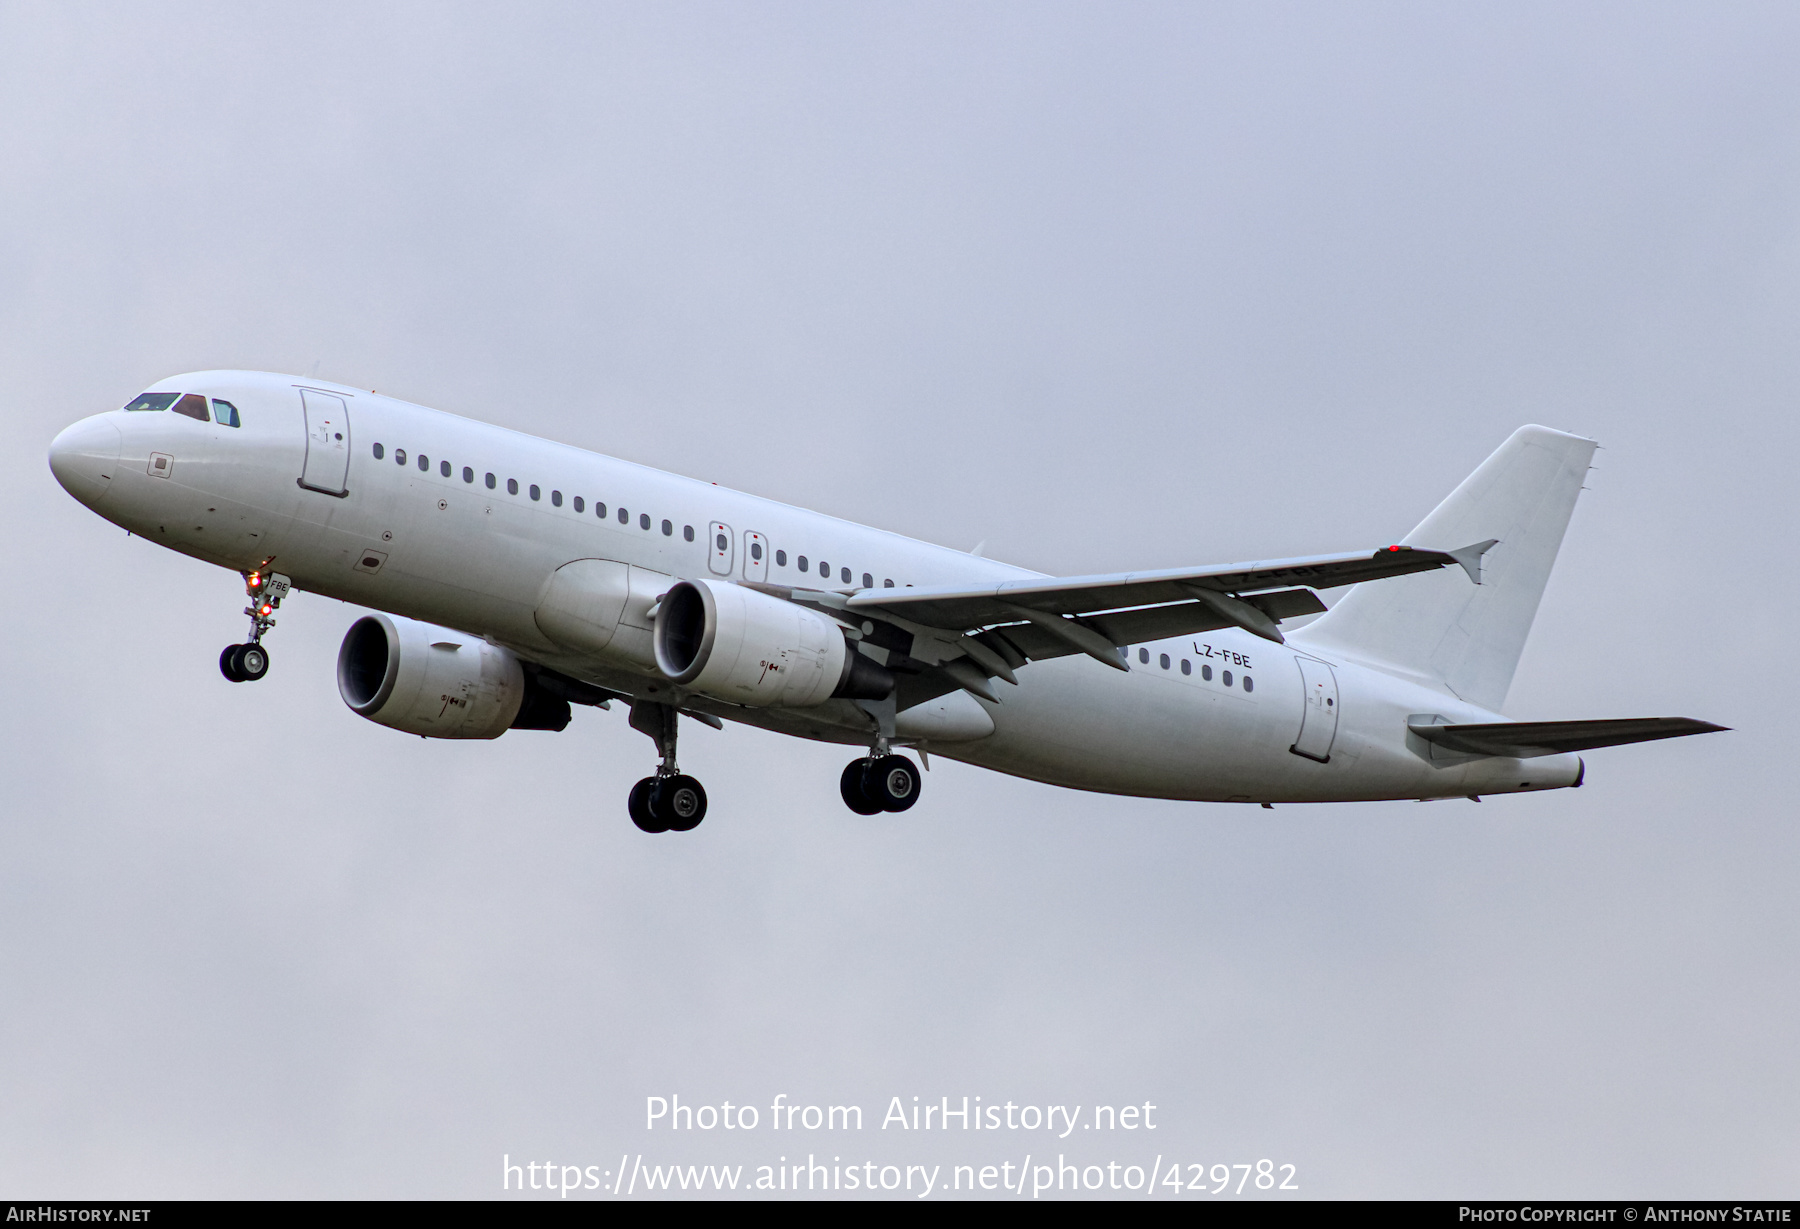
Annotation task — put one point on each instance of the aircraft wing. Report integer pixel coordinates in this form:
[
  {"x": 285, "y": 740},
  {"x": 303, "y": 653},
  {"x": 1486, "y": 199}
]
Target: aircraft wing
[
  {"x": 1053, "y": 617},
  {"x": 959, "y": 609},
  {"x": 1525, "y": 739}
]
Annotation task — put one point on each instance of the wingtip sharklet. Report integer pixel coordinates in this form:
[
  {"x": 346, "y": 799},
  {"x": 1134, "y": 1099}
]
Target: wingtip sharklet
[{"x": 1469, "y": 557}]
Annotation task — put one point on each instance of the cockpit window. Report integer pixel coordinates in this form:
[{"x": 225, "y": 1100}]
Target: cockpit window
[
  {"x": 225, "y": 414},
  {"x": 194, "y": 406},
  {"x": 153, "y": 401}
]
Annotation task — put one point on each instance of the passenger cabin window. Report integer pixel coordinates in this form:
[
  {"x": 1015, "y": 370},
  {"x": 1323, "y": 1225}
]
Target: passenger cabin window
[
  {"x": 1206, "y": 672},
  {"x": 824, "y": 569},
  {"x": 194, "y": 406},
  {"x": 600, "y": 511},
  {"x": 490, "y": 482},
  {"x": 781, "y": 559},
  {"x": 580, "y": 504},
  {"x": 1165, "y": 661},
  {"x": 668, "y": 529},
  {"x": 1144, "y": 656},
  {"x": 556, "y": 499},
  {"x": 888, "y": 583},
  {"x": 225, "y": 414},
  {"x": 624, "y": 517},
  {"x": 468, "y": 474},
  {"x": 1225, "y": 678},
  {"x": 801, "y": 561},
  {"x": 512, "y": 486},
  {"x": 153, "y": 401},
  {"x": 1249, "y": 683},
  {"x": 380, "y": 452},
  {"x": 644, "y": 520},
  {"x": 443, "y": 469},
  {"x": 868, "y": 581},
  {"x": 424, "y": 463},
  {"x": 756, "y": 551},
  {"x": 687, "y": 532},
  {"x": 1187, "y": 667},
  {"x": 535, "y": 493},
  {"x": 399, "y": 456}
]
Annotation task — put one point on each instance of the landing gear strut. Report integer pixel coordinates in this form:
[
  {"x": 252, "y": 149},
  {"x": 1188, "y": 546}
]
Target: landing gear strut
[
  {"x": 246, "y": 663},
  {"x": 670, "y": 801}
]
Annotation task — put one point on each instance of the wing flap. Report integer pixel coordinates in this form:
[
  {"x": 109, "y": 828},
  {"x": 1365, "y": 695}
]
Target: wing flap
[{"x": 1526, "y": 739}]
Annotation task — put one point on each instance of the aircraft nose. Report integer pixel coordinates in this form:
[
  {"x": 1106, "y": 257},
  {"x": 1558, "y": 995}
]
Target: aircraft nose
[{"x": 85, "y": 457}]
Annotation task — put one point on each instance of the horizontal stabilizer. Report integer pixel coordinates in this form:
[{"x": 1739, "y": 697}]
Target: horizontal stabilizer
[{"x": 1525, "y": 739}]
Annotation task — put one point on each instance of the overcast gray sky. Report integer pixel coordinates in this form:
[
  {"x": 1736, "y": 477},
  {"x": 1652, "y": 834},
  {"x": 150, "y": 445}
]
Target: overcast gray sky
[{"x": 1105, "y": 286}]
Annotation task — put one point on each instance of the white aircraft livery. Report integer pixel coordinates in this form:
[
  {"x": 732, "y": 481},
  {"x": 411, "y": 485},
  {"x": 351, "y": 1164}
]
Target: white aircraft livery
[{"x": 516, "y": 577}]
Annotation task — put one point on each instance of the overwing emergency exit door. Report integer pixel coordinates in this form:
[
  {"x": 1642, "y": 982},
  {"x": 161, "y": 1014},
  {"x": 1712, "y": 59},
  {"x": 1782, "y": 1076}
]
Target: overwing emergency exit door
[
  {"x": 756, "y": 556},
  {"x": 719, "y": 554},
  {"x": 327, "y": 443}
]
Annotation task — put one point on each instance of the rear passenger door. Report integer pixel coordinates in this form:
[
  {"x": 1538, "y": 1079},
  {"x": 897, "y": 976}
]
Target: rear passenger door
[{"x": 1318, "y": 711}]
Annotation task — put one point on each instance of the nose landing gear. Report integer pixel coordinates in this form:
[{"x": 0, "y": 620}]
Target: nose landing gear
[
  {"x": 246, "y": 663},
  {"x": 670, "y": 801}
]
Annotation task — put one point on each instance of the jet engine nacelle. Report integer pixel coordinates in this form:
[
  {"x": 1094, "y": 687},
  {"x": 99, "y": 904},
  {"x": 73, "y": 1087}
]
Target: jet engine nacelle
[
  {"x": 736, "y": 644},
  {"x": 432, "y": 681}
]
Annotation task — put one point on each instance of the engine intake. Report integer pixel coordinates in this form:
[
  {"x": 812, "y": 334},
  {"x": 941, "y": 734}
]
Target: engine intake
[
  {"x": 737, "y": 644},
  {"x": 439, "y": 683}
]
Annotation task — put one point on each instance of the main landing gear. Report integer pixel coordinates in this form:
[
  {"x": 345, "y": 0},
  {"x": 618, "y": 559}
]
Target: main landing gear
[
  {"x": 670, "y": 801},
  {"x": 879, "y": 783},
  {"x": 246, "y": 663}
]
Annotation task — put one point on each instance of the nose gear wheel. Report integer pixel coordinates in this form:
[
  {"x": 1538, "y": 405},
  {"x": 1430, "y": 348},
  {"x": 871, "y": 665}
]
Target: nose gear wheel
[{"x": 244, "y": 663}]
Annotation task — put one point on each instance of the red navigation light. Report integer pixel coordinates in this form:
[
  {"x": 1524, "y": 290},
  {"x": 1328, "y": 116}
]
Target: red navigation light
[{"x": 266, "y": 609}]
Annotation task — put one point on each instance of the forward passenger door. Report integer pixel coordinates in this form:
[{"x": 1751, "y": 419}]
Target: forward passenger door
[{"x": 327, "y": 464}]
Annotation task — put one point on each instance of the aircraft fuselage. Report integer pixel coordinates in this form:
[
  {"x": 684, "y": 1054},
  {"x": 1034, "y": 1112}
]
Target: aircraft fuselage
[{"x": 461, "y": 524}]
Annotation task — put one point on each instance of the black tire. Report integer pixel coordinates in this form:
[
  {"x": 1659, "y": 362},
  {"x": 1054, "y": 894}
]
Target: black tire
[
  {"x": 681, "y": 801},
  {"x": 228, "y": 663},
  {"x": 850, "y": 785},
  {"x": 892, "y": 782},
  {"x": 252, "y": 662},
  {"x": 642, "y": 814}
]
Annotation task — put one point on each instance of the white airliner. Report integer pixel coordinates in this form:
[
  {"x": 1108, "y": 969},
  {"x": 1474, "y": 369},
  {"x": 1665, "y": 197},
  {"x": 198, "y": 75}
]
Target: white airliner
[{"x": 517, "y": 576}]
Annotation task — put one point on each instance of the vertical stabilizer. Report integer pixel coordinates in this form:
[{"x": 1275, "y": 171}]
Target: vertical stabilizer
[{"x": 1437, "y": 623}]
